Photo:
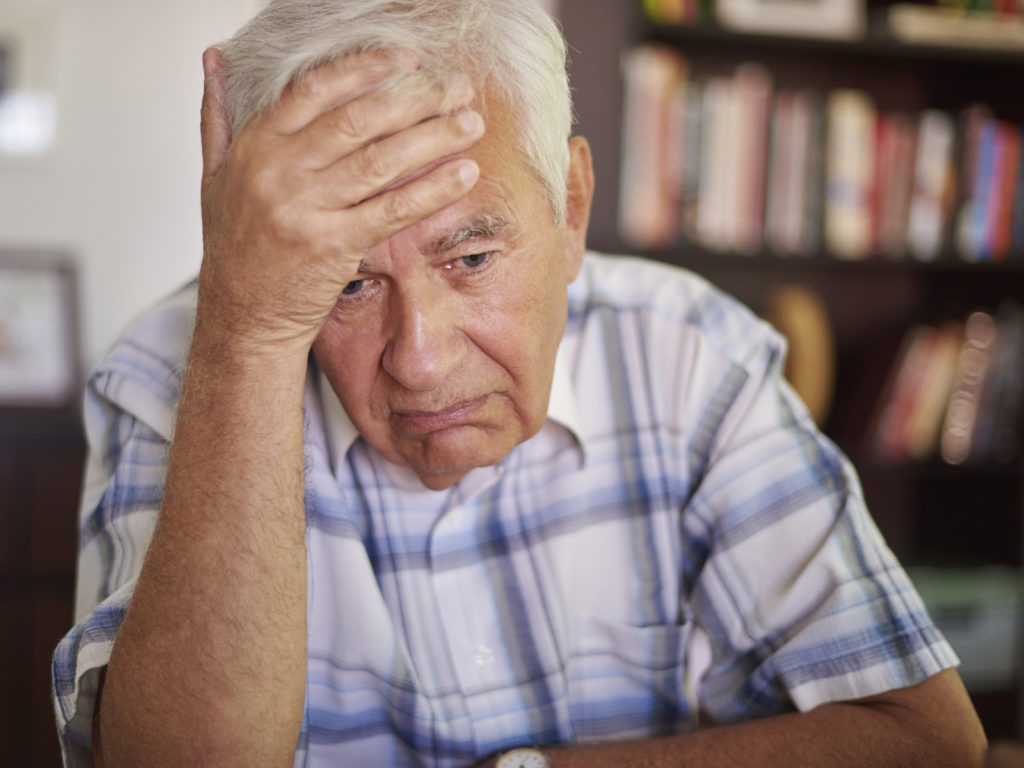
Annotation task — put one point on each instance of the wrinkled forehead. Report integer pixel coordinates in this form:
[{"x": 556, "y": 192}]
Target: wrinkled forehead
[
  {"x": 483, "y": 221},
  {"x": 507, "y": 200}
]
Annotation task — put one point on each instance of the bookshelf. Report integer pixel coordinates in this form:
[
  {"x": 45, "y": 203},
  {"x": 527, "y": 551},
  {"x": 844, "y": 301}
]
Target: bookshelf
[
  {"x": 964, "y": 519},
  {"x": 42, "y": 451}
]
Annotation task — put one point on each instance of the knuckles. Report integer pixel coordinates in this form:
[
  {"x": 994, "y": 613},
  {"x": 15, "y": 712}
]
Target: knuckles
[
  {"x": 352, "y": 121},
  {"x": 398, "y": 207},
  {"x": 373, "y": 163}
]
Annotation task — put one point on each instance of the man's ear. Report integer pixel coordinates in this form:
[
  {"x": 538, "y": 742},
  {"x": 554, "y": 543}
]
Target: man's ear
[
  {"x": 214, "y": 127},
  {"x": 579, "y": 194}
]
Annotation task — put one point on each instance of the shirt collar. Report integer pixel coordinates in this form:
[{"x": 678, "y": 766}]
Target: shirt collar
[{"x": 563, "y": 408}]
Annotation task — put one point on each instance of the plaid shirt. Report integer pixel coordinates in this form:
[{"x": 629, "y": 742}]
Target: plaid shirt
[{"x": 677, "y": 492}]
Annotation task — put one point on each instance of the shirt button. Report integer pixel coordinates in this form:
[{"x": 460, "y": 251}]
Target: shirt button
[{"x": 482, "y": 656}]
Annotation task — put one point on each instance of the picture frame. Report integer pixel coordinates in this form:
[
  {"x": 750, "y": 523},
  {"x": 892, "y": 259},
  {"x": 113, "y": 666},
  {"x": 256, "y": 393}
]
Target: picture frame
[
  {"x": 835, "y": 19},
  {"x": 39, "y": 341},
  {"x": 28, "y": 102}
]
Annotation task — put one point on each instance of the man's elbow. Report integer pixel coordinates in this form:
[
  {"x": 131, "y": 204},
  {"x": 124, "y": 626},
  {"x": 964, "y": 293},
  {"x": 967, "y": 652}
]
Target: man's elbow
[{"x": 935, "y": 722}]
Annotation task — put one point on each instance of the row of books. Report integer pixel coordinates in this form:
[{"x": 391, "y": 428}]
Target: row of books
[
  {"x": 973, "y": 23},
  {"x": 732, "y": 163},
  {"x": 956, "y": 390}
]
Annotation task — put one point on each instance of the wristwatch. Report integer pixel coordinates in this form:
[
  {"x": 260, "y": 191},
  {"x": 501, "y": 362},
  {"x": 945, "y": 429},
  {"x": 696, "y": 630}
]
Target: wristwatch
[{"x": 523, "y": 757}]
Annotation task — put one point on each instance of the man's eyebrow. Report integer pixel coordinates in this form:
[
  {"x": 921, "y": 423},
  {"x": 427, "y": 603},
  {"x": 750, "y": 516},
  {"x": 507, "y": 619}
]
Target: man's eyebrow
[{"x": 486, "y": 226}]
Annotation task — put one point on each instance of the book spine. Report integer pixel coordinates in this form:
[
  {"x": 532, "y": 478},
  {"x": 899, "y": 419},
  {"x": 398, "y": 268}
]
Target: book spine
[
  {"x": 692, "y": 159},
  {"x": 1017, "y": 226},
  {"x": 973, "y": 122},
  {"x": 649, "y": 193},
  {"x": 1002, "y": 224},
  {"x": 849, "y": 174},
  {"x": 901, "y": 393},
  {"x": 753, "y": 93},
  {"x": 713, "y": 227},
  {"x": 933, "y": 183}
]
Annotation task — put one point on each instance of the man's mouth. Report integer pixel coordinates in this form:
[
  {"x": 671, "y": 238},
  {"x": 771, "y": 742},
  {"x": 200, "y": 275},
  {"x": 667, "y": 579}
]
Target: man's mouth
[{"x": 424, "y": 422}]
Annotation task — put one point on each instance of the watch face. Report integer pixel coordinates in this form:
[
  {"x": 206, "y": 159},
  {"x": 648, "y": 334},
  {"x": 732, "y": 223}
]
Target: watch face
[{"x": 523, "y": 758}]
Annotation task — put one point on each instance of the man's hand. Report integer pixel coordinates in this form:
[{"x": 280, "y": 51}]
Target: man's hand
[
  {"x": 289, "y": 208},
  {"x": 345, "y": 159}
]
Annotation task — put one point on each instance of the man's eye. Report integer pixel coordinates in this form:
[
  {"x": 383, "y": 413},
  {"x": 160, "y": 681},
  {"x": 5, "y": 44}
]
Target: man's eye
[
  {"x": 353, "y": 288},
  {"x": 475, "y": 260}
]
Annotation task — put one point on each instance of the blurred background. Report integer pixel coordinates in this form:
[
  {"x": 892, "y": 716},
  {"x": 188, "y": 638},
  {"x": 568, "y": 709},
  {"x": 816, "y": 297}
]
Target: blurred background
[{"x": 849, "y": 168}]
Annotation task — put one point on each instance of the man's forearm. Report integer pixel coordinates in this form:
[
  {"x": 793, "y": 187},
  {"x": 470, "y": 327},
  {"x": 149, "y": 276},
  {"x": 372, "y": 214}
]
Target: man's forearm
[
  {"x": 931, "y": 725},
  {"x": 209, "y": 665}
]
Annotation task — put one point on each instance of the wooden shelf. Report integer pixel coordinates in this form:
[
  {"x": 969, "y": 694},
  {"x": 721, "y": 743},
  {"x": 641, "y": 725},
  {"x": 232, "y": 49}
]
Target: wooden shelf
[
  {"x": 878, "y": 43},
  {"x": 930, "y": 512}
]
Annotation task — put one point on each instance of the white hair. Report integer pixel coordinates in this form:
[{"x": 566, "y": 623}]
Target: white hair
[{"x": 512, "y": 45}]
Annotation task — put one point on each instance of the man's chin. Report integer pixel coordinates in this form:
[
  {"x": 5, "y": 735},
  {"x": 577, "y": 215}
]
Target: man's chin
[
  {"x": 443, "y": 459},
  {"x": 441, "y": 482}
]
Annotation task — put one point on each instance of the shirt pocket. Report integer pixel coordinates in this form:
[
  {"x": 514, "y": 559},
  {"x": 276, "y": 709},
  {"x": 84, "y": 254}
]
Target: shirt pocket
[{"x": 627, "y": 681}]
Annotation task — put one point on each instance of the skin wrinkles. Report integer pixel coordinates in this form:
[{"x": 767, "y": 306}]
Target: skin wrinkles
[
  {"x": 445, "y": 364},
  {"x": 487, "y": 226}
]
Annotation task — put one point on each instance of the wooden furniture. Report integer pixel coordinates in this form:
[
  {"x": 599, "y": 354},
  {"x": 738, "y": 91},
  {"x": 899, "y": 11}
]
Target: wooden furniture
[
  {"x": 41, "y": 459},
  {"x": 930, "y": 512}
]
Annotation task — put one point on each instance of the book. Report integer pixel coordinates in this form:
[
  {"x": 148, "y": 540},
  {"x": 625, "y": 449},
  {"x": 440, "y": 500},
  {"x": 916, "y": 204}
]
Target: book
[
  {"x": 895, "y": 139},
  {"x": 924, "y": 422},
  {"x": 1004, "y": 192},
  {"x": 973, "y": 167},
  {"x": 790, "y": 181},
  {"x": 849, "y": 173},
  {"x": 901, "y": 392},
  {"x": 948, "y": 26},
  {"x": 691, "y": 160},
  {"x": 714, "y": 194},
  {"x": 988, "y": 171},
  {"x": 814, "y": 198},
  {"x": 934, "y": 179},
  {"x": 900, "y": 187},
  {"x": 1016, "y": 250},
  {"x": 752, "y": 90},
  {"x": 654, "y": 77},
  {"x": 782, "y": 236}
]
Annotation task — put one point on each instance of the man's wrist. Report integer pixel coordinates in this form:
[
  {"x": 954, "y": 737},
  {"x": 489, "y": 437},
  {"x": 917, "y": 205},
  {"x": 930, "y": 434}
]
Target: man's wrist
[
  {"x": 230, "y": 347},
  {"x": 523, "y": 757}
]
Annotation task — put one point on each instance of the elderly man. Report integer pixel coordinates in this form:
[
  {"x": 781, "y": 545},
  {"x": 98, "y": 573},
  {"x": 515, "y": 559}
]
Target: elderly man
[{"x": 419, "y": 482}]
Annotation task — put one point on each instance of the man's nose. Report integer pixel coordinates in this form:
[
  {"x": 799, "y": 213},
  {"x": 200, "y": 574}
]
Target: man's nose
[{"x": 426, "y": 341}]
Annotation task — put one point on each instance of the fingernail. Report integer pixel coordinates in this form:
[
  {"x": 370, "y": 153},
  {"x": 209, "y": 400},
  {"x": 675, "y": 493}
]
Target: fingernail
[
  {"x": 468, "y": 171},
  {"x": 469, "y": 121}
]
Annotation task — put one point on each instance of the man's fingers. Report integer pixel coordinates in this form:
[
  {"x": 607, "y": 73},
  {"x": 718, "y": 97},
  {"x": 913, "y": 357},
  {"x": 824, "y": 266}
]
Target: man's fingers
[
  {"x": 391, "y": 211},
  {"x": 377, "y": 114},
  {"x": 397, "y": 159},
  {"x": 215, "y": 129},
  {"x": 333, "y": 84}
]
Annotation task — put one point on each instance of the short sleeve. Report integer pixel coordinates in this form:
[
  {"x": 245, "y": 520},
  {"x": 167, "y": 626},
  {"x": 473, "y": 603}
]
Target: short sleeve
[
  {"x": 801, "y": 599},
  {"x": 128, "y": 412}
]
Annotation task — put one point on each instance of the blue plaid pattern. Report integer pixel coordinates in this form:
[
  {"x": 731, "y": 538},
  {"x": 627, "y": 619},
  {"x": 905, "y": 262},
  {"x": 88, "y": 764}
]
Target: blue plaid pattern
[{"x": 678, "y": 491}]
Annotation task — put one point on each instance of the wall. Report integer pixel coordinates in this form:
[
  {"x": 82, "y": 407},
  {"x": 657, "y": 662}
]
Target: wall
[{"x": 118, "y": 190}]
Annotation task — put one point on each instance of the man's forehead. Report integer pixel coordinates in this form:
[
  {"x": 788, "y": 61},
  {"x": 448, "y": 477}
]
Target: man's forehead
[{"x": 443, "y": 232}]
